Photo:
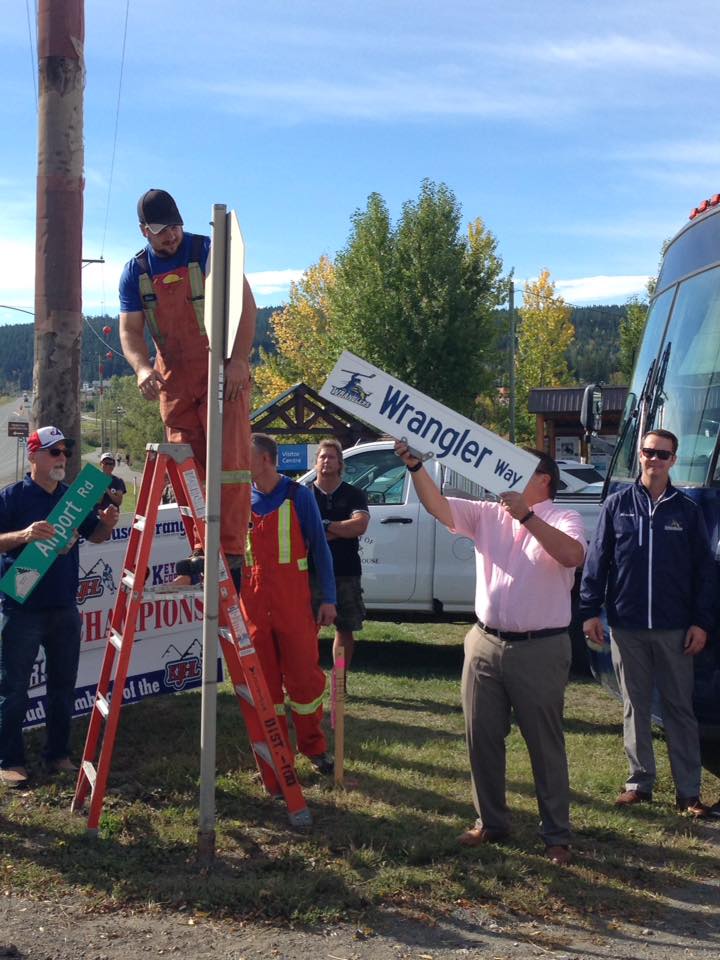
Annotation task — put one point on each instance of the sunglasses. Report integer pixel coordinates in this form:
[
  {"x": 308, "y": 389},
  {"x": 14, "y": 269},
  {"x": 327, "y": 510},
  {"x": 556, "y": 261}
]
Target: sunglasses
[
  {"x": 58, "y": 451},
  {"x": 650, "y": 453}
]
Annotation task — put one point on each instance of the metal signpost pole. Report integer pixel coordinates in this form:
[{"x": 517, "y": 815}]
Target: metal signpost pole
[{"x": 216, "y": 312}]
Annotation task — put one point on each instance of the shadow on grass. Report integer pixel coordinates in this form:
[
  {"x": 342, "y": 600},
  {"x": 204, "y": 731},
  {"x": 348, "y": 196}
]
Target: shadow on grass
[{"x": 353, "y": 858}]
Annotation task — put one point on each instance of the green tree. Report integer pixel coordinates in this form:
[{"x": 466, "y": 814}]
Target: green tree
[
  {"x": 417, "y": 299},
  {"x": 632, "y": 326},
  {"x": 545, "y": 333},
  {"x": 139, "y": 423},
  {"x": 302, "y": 334}
]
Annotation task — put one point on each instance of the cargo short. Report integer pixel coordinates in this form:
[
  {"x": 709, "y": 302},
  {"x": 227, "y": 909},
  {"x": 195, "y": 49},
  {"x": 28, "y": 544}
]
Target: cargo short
[{"x": 350, "y": 607}]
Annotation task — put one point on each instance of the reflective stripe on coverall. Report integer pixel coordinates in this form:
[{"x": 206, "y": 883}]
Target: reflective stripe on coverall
[
  {"x": 174, "y": 318},
  {"x": 275, "y": 599}
]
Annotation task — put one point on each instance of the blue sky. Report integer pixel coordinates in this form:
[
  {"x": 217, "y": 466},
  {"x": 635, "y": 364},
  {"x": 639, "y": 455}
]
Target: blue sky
[{"x": 582, "y": 133}]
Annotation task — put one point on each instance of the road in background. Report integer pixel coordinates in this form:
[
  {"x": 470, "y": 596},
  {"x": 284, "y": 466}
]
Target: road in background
[{"x": 11, "y": 410}]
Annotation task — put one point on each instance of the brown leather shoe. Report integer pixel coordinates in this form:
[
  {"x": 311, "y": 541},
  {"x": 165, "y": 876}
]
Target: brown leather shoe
[
  {"x": 477, "y": 836},
  {"x": 693, "y": 808},
  {"x": 558, "y": 853},
  {"x": 63, "y": 765},
  {"x": 14, "y": 777},
  {"x": 629, "y": 797}
]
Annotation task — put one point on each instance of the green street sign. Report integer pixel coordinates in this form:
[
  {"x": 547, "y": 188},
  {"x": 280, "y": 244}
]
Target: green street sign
[{"x": 37, "y": 557}]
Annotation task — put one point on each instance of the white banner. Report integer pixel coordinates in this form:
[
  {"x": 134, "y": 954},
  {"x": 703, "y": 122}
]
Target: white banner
[
  {"x": 430, "y": 428},
  {"x": 167, "y": 653}
]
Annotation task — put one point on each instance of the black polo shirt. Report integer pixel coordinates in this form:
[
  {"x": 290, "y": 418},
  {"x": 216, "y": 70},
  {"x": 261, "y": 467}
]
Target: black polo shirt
[{"x": 341, "y": 504}]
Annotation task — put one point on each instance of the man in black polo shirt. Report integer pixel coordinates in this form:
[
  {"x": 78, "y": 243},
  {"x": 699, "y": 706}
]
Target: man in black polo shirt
[
  {"x": 117, "y": 489},
  {"x": 49, "y": 617},
  {"x": 345, "y": 516}
]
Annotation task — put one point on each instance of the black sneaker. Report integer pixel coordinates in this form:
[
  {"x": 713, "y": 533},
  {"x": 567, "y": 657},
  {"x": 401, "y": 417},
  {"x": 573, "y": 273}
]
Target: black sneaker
[{"x": 323, "y": 763}]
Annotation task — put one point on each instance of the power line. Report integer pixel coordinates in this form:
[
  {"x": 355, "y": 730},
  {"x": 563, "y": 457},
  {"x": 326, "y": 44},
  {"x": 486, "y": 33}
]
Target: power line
[
  {"x": 117, "y": 124},
  {"x": 33, "y": 57}
]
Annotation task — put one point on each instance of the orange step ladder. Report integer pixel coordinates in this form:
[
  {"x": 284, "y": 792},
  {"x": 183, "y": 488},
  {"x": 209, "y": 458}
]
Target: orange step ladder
[{"x": 274, "y": 758}]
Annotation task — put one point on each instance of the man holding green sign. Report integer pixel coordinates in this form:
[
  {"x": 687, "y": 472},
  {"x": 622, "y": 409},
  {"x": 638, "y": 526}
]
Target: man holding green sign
[{"x": 41, "y": 519}]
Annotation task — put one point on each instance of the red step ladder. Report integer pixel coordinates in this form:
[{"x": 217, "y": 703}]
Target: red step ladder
[{"x": 274, "y": 758}]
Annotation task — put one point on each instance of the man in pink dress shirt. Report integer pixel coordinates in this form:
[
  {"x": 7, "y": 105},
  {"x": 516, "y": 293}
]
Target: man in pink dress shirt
[{"x": 517, "y": 656}]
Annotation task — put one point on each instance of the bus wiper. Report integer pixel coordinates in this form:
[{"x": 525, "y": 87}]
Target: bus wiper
[{"x": 658, "y": 394}]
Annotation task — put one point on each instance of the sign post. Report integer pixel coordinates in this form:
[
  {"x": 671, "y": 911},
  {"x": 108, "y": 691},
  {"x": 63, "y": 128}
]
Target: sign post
[
  {"x": 21, "y": 430},
  {"x": 224, "y": 285}
]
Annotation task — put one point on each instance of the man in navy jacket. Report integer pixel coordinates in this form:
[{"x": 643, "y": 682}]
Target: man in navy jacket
[{"x": 651, "y": 565}]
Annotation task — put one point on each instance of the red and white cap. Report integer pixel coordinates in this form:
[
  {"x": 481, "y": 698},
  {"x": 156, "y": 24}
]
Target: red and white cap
[{"x": 46, "y": 437}]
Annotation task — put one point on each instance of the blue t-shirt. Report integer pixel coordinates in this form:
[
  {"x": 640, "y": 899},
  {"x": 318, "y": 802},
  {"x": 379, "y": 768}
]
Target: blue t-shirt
[
  {"x": 24, "y": 503},
  {"x": 310, "y": 524},
  {"x": 130, "y": 300}
]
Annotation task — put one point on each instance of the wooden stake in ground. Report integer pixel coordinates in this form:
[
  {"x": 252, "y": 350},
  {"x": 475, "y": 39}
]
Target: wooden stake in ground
[{"x": 338, "y": 713}]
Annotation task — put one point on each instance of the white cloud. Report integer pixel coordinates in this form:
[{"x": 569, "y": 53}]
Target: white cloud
[
  {"x": 268, "y": 282},
  {"x": 601, "y": 288},
  {"x": 636, "y": 55},
  {"x": 384, "y": 98}
]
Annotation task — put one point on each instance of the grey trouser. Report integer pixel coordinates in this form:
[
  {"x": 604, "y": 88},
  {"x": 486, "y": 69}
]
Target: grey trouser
[
  {"x": 644, "y": 659},
  {"x": 528, "y": 677}
]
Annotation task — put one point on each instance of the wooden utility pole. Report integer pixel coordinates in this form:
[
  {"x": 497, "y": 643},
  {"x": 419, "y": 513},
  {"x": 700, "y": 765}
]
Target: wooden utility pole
[{"x": 58, "y": 239}]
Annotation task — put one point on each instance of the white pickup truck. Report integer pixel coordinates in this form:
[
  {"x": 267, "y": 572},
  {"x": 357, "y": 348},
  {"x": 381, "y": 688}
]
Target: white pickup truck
[{"x": 411, "y": 563}]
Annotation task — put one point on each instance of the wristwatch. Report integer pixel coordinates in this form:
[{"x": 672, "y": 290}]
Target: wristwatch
[{"x": 326, "y": 523}]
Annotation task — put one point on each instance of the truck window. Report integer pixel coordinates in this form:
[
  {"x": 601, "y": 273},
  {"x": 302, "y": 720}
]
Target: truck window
[
  {"x": 380, "y": 474},
  {"x": 455, "y": 485}
]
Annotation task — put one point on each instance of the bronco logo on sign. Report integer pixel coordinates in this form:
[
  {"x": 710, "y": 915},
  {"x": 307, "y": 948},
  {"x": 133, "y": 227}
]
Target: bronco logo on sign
[
  {"x": 352, "y": 390},
  {"x": 185, "y": 669}
]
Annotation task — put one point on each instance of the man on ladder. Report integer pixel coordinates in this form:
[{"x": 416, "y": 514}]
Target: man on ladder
[
  {"x": 163, "y": 286},
  {"x": 275, "y": 596}
]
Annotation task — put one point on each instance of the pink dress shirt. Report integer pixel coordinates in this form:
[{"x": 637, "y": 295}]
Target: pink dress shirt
[{"x": 519, "y": 586}]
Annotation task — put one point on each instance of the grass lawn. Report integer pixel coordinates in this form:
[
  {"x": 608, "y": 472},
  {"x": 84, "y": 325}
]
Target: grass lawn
[{"x": 389, "y": 838}]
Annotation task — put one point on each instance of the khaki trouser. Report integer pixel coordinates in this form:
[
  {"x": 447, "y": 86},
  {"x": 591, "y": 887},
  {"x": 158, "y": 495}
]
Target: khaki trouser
[{"x": 529, "y": 678}]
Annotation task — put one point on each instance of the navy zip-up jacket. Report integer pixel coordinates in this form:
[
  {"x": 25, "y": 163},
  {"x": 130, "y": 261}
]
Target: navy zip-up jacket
[{"x": 651, "y": 566}]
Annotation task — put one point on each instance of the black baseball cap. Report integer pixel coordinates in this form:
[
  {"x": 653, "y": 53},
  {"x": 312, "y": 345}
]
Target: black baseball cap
[{"x": 157, "y": 210}]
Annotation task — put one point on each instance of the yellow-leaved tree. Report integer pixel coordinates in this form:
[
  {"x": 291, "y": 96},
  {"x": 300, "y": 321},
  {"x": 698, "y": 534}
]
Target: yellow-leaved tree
[
  {"x": 544, "y": 335},
  {"x": 304, "y": 336}
]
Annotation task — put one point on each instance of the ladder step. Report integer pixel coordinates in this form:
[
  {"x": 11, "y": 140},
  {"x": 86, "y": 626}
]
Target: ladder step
[
  {"x": 115, "y": 639},
  {"x": 174, "y": 590},
  {"x": 262, "y": 750},
  {"x": 243, "y": 691},
  {"x": 103, "y": 705},
  {"x": 89, "y": 772},
  {"x": 128, "y": 579},
  {"x": 185, "y": 511}
]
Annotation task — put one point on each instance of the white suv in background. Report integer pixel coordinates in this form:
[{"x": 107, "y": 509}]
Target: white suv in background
[{"x": 575, "y": 475}]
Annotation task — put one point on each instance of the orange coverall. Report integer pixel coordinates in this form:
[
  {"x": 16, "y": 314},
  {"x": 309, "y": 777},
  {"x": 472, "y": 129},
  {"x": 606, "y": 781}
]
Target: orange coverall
[
  {"x": 182, "y": 356},
  {"x": 275, "y": 601}
]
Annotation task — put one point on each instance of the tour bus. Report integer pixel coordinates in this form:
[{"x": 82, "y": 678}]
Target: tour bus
[{"x": 676, "y": 386}]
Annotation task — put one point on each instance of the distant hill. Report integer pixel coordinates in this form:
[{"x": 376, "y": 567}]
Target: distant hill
[
  {"x": 17, "y": 345},
  {"x": 593, "y": 355}
]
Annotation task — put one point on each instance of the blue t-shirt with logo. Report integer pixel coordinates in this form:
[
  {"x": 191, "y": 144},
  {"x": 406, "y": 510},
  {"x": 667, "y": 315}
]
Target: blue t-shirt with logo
[
  {"x": 130, "y": 300},
  {"x": 27, "y": 502}
]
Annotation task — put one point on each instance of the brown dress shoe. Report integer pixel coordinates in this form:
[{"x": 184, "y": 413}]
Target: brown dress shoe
[
  {"x": 63, "y": 765},
  {"x": 477, "y": 836},
  {"x": 14, "y": 776},
  {"x": 694, "y": 808},
  {"x": 628, "y": 797},
  {"x": 558, "y": 853}
]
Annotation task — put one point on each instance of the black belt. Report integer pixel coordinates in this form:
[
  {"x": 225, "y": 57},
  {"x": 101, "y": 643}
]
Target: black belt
[{"x": 525, "y": 635}]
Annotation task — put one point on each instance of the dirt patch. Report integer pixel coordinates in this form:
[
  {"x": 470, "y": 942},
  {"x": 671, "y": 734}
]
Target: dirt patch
[{"x": 31, "y": 930}]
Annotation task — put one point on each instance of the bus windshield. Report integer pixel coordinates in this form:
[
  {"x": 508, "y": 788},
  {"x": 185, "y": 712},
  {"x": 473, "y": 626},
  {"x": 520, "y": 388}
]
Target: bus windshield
[{"x": 676, "y": 382}]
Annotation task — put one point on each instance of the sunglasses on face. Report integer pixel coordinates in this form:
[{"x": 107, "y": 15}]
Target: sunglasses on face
[
  {"x": 58, "y": 451},
  {"x": 650, "y": 453}
]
